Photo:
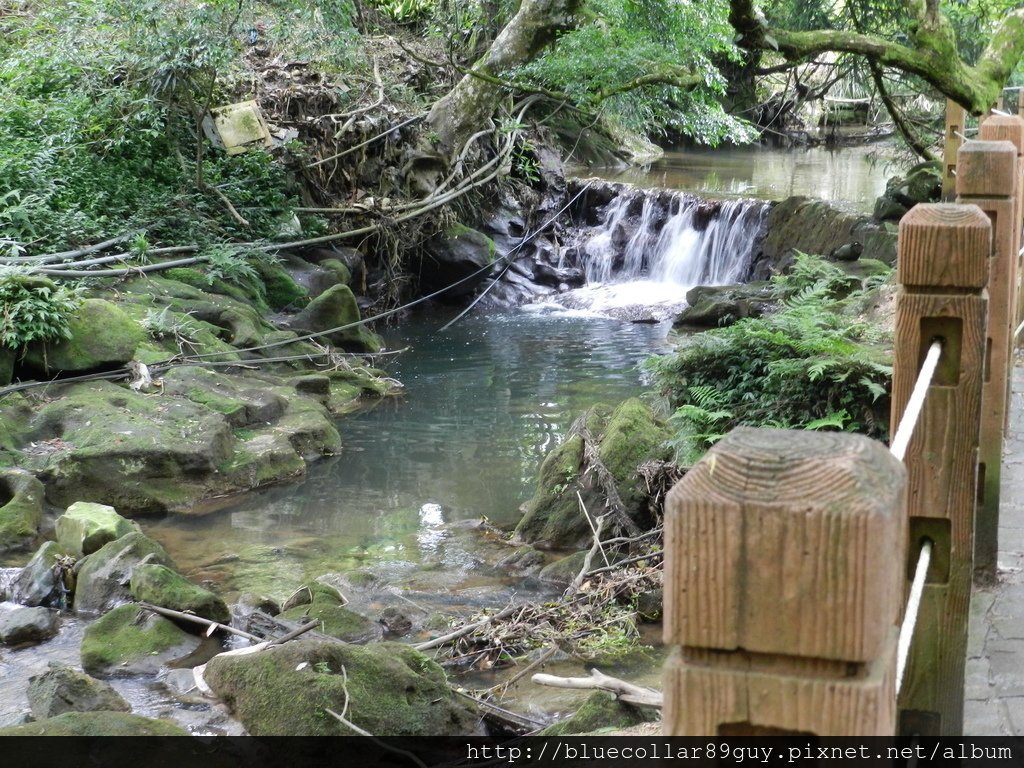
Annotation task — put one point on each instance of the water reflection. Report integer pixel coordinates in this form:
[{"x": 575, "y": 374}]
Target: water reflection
[
  {"x": 485, "y": 401},
  {"x": 853, "y": 176}
]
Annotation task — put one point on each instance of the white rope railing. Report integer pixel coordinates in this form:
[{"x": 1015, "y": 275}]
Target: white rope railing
[
  {"x": 910, "y": 617},
  {"x": 905, "y": 431}
]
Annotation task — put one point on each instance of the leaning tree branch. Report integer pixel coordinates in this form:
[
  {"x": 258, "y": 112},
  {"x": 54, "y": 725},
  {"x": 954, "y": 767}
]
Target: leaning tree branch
[
  {"x": 898, "y": 118},
  {"x": 932, "y": 57}
]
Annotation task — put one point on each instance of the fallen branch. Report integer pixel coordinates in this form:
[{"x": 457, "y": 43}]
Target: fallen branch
[
  {"x": 463, "y": 631},
  {"x": 505, "y": 717},
  {"x": 625, "y": 692},
  {"x": 606, "y": 481},
  {"x": 589, "y": 557}
]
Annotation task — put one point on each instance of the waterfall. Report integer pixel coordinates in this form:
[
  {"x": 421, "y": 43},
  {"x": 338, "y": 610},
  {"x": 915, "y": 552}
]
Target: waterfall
[{"x": 693, "y": 242}]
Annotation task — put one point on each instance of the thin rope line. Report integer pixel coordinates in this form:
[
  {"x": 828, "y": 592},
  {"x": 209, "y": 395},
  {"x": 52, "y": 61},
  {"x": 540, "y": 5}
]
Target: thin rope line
[
  {"x": 910, "y": 617},
  {"x": 901, "y": 440}
]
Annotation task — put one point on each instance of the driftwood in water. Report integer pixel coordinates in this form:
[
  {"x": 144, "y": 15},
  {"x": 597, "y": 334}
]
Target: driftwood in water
[
  {"x": 623, "y": 691},
  {"x": 462, "y": 631}
]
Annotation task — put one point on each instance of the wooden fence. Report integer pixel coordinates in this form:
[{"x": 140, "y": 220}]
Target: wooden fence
[{"x": 820, "y": 583}]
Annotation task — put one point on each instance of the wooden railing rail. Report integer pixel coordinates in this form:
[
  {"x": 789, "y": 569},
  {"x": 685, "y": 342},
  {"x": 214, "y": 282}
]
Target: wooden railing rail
[{"x": 789, "y": 555}]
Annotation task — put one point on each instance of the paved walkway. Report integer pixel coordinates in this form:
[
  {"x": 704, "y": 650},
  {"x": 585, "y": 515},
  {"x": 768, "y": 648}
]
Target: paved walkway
[{"x": 994, "y": 692}]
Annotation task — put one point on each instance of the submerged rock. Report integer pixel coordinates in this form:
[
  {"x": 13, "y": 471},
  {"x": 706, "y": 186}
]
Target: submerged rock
[
  {"x": 26, "y": 626},
  {"x": 392, "y": 690},
  {"x": 85, "y": 527},
  {"x": 21, "y": 509},
  {"x": 103, "y": 577},
  {"x": 62, "y": 689},
  {"x": 159, "y": 585},
  {"x": 132, "y": 640},
  {"x": 630, "y": 436},
  {"x": 96, "y": 724}
]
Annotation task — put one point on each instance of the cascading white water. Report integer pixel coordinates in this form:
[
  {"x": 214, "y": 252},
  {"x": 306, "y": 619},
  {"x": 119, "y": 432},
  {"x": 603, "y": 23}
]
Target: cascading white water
[{"x": 656, "y": 255}]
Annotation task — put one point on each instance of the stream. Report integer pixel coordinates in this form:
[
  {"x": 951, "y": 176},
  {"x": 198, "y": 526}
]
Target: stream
[{"x": 484, "y": 401}]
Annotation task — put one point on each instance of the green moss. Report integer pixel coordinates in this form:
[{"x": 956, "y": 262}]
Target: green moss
[
  {"x": 632, "y": 437},
  {"x": 459, "y": 230},
  {"x": 96, "y": 724},
  {"x": 128, "y": 635},
  {"x": 286, "y": 690},
  {"x": 552, "y": 514},
  {"x": 600, "y": 710},
  {"x": 161, "y": 586},
  {"x": 22, "y": 513},
  {"x": 281, "y": 290},
  {"x": 85, "y": 527},
  {"x": 335, "y": 620},
  {"x": 101, "y": 334}
]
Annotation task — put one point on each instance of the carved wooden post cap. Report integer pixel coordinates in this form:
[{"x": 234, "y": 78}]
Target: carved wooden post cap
[
  {"x": 939, "y": 243},
  {"x": 788, "y": 543},
  {"x": 1004, "y": 128},
  {"x": 987, "y": 169}
]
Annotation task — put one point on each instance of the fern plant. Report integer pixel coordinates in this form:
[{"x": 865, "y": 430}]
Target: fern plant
[
  {"x": 33, "y": 309},
  {"x": 810, "y": 365}
]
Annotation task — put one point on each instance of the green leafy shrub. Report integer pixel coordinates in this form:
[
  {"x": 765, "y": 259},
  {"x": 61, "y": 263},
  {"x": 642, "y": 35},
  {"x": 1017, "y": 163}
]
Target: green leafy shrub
[
  {"x": 811, "y": 365},
  {"x": 33, "y": 309}
]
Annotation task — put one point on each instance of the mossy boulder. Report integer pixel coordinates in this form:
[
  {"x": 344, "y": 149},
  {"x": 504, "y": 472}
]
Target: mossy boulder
[
  {"x": 21, "y": 509},
  {"x": 562, "y": 571},
  {"x": 454, "y": 255},
  {"x": 322, "y": 602},
  {"x": 85, "y": 527},
  {"x": 102, "y": 335},
  {"x": 104, "y": 576},
  {"x": 62, "y": 689},
  {"x": 713, "y": 306},
  {"x": 139, "y": 454},
  {"x": 329, "y": 273},
  {"x": 241, "y": 401},
  {"x": 96, "y": 724},
  {"x": 159, "y": 585},
  {"x": 600, "y": 711},
  {"x": 630, "y": 436},
  {"x": 132, "y": 640},
  {"x": 282, "y": 292},
  {"x": 392, "y": 690},
  {"x": 336, "y": 308}
]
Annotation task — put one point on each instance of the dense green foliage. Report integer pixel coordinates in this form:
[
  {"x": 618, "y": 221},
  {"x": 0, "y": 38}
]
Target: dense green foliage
[
  {"x": 99, "y": 131},
  {"x": 811, "y": 365},
  {"x": 623, "y": 40},
  {"x": 33, "y": 309}
]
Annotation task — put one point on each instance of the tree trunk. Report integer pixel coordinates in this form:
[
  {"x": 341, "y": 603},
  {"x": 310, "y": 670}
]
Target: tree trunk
[{"x": 470, "y": 104}]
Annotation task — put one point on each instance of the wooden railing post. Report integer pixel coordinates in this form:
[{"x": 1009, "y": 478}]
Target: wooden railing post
[
  {"x": 784, "y": 561},
  {"x": 1011, "y": 129},
  {"x": 943, "y": 273},
  {"x": 956, "y": 121},
  {"x": 987, "y": 176}
]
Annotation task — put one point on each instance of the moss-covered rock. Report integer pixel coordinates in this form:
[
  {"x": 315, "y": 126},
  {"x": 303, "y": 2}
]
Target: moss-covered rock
[
  {"x": 282, "y": 292},
  {"x": 239, "y": 400},
  {"x": 337, "y": 308},
  {"x": 103, "y": 576},
  {"x": 630, "y": 436},
  {"x": 600, "y": 711},
  {"x": 21, "y": 509},
  {"x": 324, "y": 603},
  {"x": 712, "y": 306},
  {"x": 132, "y": 640},
  {"x": 139, "y": 454},
  {"x": 85, "y": 527},
  {"x": 562, "y": 571},
  {"x": 62, "y": 689},
  {"x": 96, "y": 724},
  {"x": 392, "y": 690},
  {"x": 159, "y": 585},
  {"x": 102, "y": 334}
]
